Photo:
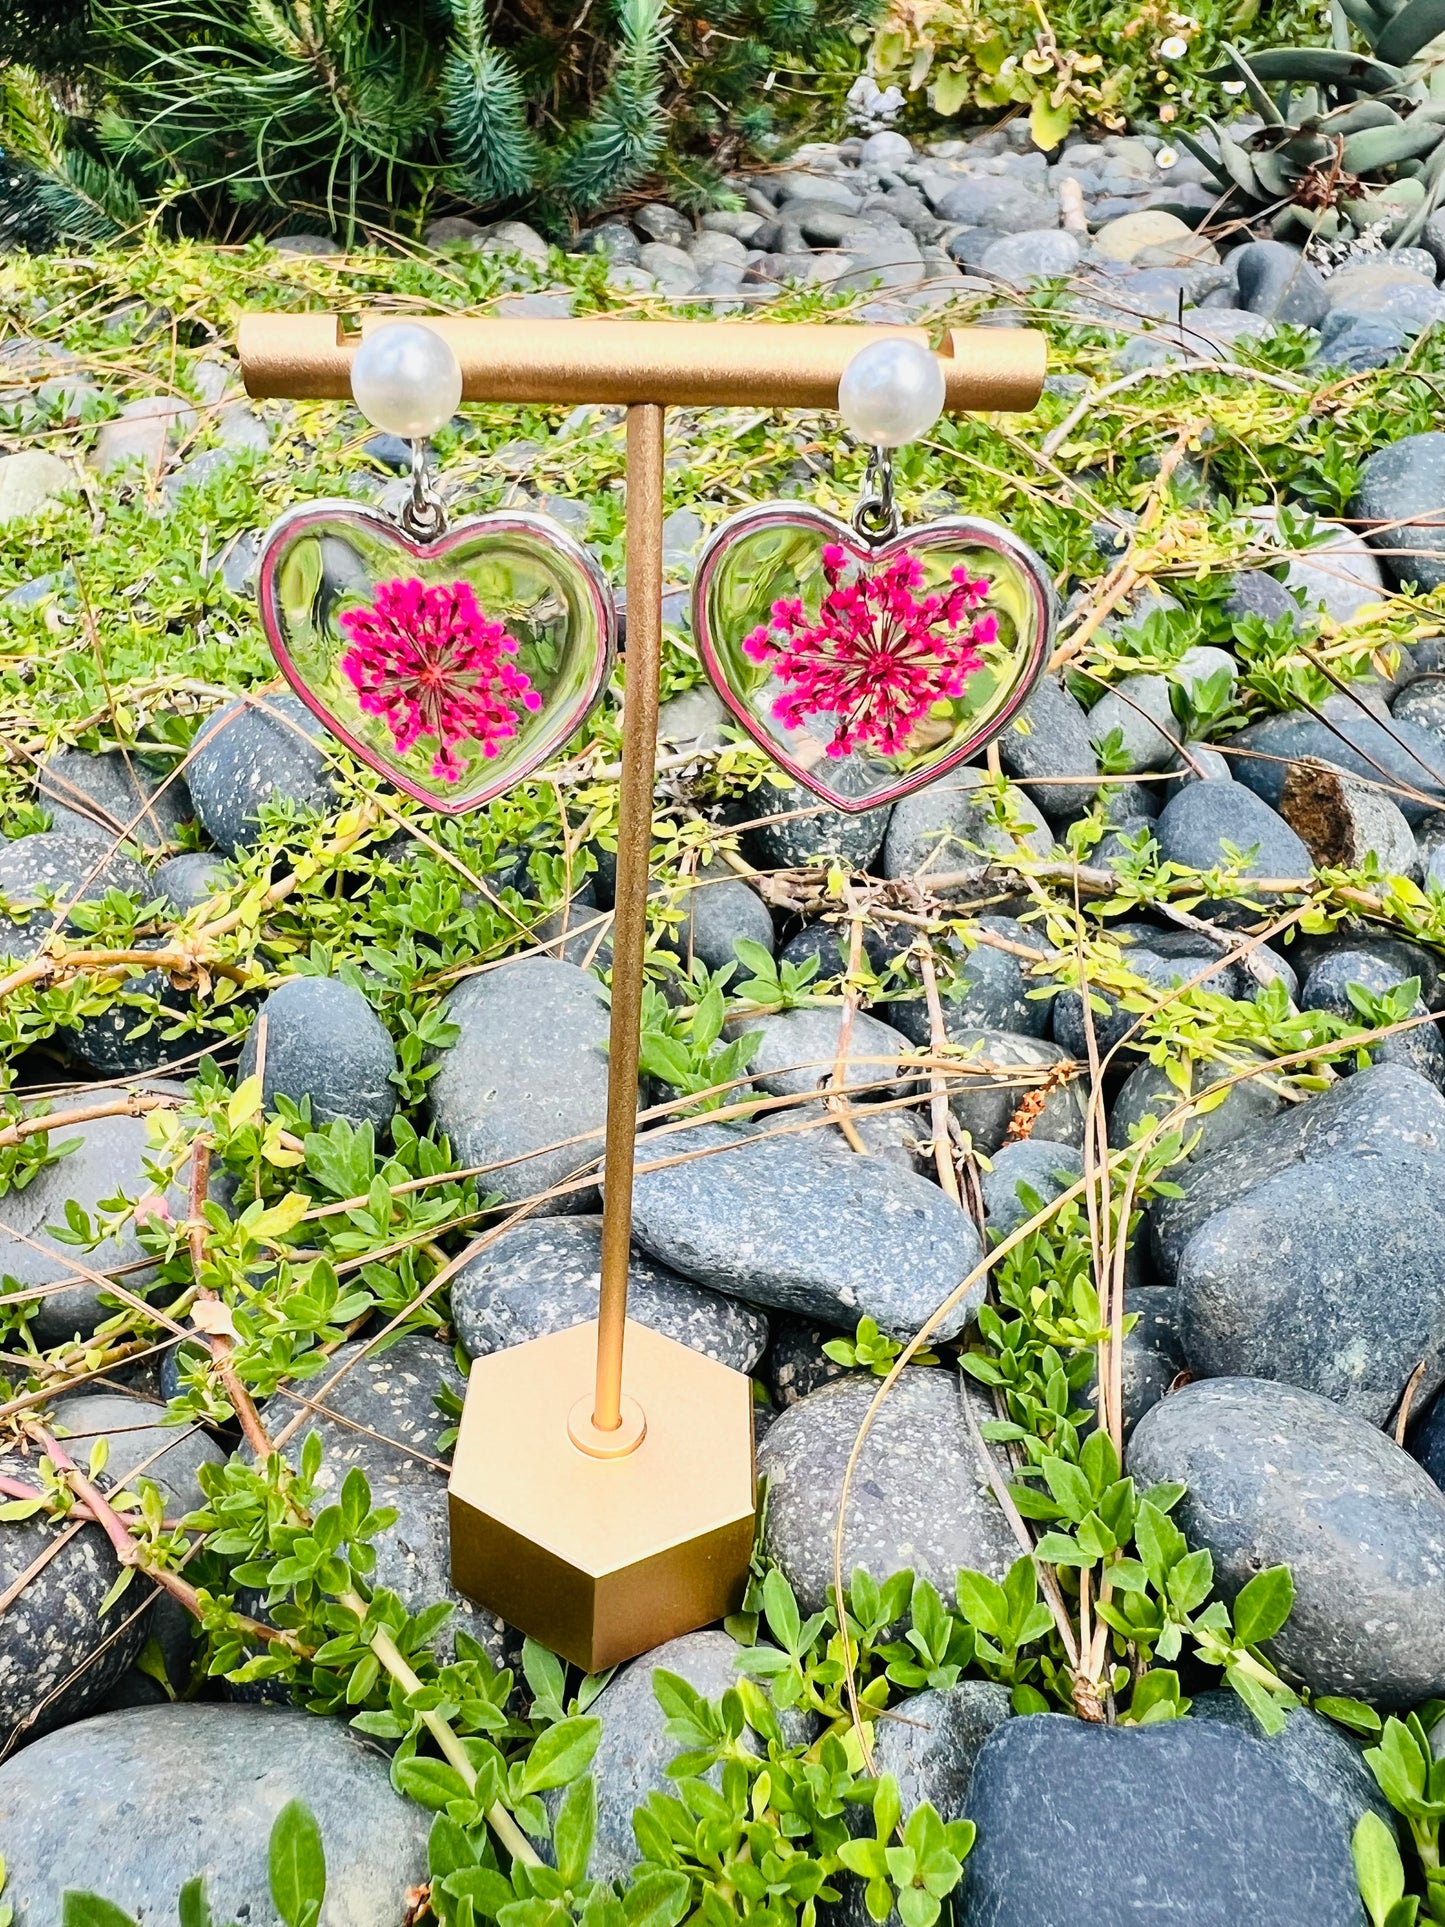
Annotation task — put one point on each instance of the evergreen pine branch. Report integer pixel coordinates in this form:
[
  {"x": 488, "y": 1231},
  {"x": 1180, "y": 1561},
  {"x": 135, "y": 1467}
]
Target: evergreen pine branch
[
  {"x": 627, "y": 129},
  {"x": 484, "y": 112}
]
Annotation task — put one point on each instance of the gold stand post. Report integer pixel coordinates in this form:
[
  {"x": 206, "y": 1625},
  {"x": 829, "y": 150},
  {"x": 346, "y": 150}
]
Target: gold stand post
[{"x": 604, "y": 1522}]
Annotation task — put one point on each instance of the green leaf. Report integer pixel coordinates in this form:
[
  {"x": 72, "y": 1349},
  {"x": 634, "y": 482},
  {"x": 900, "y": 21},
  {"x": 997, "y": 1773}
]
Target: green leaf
[
  {"x": 1378, "y": 1867},
  {"x": 297, "y": 1866},
  {"x": 1263, "y": 1606},
  {"x": 1351, "y": 1713},
  {"x": 193, "y": 1906},
  {"x": 656, "y": 1898},
  {"x": 575, "y": 1829},
  {"x": 89, "y": 1910},
  {"x": 1265, "y": 1708},
  {"x": 561, "y": 1753}
]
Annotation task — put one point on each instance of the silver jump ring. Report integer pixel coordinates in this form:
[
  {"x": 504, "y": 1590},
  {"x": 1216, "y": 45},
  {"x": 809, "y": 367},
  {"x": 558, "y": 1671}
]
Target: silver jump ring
[
  {"x": 423, "y": 514},
  {"x": 876, "y": 515}
]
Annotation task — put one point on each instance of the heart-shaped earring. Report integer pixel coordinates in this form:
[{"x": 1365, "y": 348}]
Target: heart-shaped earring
[
  {"x": 869, "y": 660},
  {"x": 453, "y": 661}
]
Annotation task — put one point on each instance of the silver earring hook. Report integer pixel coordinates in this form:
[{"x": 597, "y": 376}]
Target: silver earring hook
[
  {"x": 423, "y": 514},
  {"x": 876, "y": 515}
]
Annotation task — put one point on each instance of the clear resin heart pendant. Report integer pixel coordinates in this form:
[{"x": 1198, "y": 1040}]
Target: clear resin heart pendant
[
  {"x": 868, "y": 667},
  {"x": 454, "y": 667}
]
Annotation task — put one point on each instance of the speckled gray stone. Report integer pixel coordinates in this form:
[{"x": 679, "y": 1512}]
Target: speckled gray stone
[
  {"x": 157, "y": 1794},
  {"x": 1402, "y": 490},
  {"x": 1149, "y": 1092},
  {"x": 1350, "y": 738},
  {"x": 1194, "y": 828},
  {"x": 1140, "y": 709},
  {"x": 932, "y": 1740},
  {"x": 141, "y": 1444},
  {"x": 189, "y": 880},
  {"x": 250, "y": 755},
  {"x": 1042, "y": 1167},
  {"x": 1165, "y": 960},
  {"x": 1153, "y": 1353},
  {"x": 1317, "y": 1755},
  {"x": 1275, "y": 279},
  {"x": 808, "y": 831},
  {"x": 795, "y": 1362},
  {"x": 918, "y": 1501},
  {"x": 58, "y": 1657},
  {"x": 985, "y": 1101},
  {"x": 324, "y": 1042},
  {"x": 528, "y": 1071},
  {"x": 718, "y": 909},
  {"x": 1185, "y": 1822},
  {"x": 1280, "y": 1476},
  {"x": 797, "y": 1051},
  {"x": 1337, "y": 571},
  {"x": 1346, "y": 823},
  {"x": 1387, "y": 1111},
  {"x": 1049, "y": 742},
  {"x": 111, "y": 795},
  {"x": 982, "y": 988},
  {"x": 634, "y": 1748},
  {"x": 1327, "y": 988},
  {"x": 1330, "y": 1276},
  {"x": 108, "y": 1159},
  {"x": 41, "y": 875},
  {"x": 381, "y": 1414},
  {"x": 541, "y": 1277},
  {"x": 947, "y": 829},
  {"x": 794, "y": 1224}
]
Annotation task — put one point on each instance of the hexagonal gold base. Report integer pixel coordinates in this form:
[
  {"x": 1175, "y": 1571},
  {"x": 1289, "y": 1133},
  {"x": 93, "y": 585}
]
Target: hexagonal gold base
[{"x": 603, "y": 1558}]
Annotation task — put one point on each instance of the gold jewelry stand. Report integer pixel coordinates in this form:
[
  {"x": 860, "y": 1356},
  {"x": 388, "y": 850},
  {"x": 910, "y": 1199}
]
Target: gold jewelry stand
[{"x": 605, "y": 1523}]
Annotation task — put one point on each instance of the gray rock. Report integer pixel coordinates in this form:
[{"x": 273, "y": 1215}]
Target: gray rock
[
  {"x": 1329, "y": 964},
  {"x": 1049, "y": 741},
  {"x": 1194, "y": 828},
  {"x": 1253, "y": 592},
  {"x": 987, "y": 1098},
  {"x": 1149, "y": 1092},
  {"x": 240, "y": 426},
  {"x": 1139, "y": 709},
  {"x": 1422, "y": 702},
  {"x": 1427, "y": 1443},
  {"x": 808, "y": 832},
  {"x": 1152, "y": 1355},
  {"x": 1377, "y": 969},
  {"x": 1001, "y": 205},
  {"x": 1219, "y": 1832},
  {"x": 1387, "y": 1111},
  {"x": 1274, "y": 279},
  {"x": 1350, "y": 738},
  {"x": 659, "y": 222},
  {"x": 111, "y": 795},
  {"x": 256, "y": 751},
  {"x": 380, "y": 1413},
  {"x": 43, "y": 876},
  {"x": 793, "y": 1224},
  {"x": 1280, "y": 1476},
  {"x": 615, "y": 239},
  {"x": 795, "y": 1362},
  {"x": 141, "y": 433},
  {"x": 177, "y": 1790},
  {"x": 1357, "y": 342},
  {"x": 918, "y": 1500},
  {"x": 1330, "y": 1276},
  {"x": 798, "y": 1049},
  {"x": 886, "y": 149},
  {"x": 982, "y": 988},
  {"x": 1040, "y": 255},
  {"x": 1316, "y": 1755},
  {"x": 1346, "y": 823},
  {"x": 693, "y": 721},
  {"x": 1336, "y": 571},
  {"x": 31, "y": 481},
  {"x": 1034, "y": 1164},
  {"x": 929, "y": 1742},
  {"x": 1165, "y": 960},
  {"x": 326, "y": 1043},
  {"x": 543, "y": 1276},
  {"x": 312, "y": 246},
  {"x": 718, "y": 909},
  {"x": 887, "y": 258},
  {"x": 189, "y": 880},
  {"x": 1401, "y": 501},
  {"x": 800, "y": 184},
  {"x": 109, "y": 1158},
  {"x": 947, "y": 828},
  {"x": 672, "y": 267},
  {"x": 527, "y": 1075},
  {"x": 634, "y": 1748}
]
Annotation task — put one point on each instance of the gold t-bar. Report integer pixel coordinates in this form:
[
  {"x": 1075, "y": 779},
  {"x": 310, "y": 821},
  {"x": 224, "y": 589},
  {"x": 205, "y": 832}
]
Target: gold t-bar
[{"x": 648, "y": 367}]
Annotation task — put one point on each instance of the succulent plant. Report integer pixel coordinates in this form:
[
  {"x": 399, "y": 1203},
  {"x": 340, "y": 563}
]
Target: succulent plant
[{"x": 1351, "y": 142}]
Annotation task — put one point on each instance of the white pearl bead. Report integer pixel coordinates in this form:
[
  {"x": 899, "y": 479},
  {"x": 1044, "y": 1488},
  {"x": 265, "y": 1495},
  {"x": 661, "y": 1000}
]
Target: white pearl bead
[
  {"x": 406, "y": 380},
  {"x": 892, "y": 392}
]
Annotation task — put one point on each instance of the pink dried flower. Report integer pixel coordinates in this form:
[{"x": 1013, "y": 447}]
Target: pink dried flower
[
  {"x": 877, "y": 656},
  {"x": 152, "y": 1206},
  {"x": 433, "y": 663}
]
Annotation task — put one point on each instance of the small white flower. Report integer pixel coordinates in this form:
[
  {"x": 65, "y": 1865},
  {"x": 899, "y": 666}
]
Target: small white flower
[
  {"x": 1231, "y": 86},
  {"x": 1166, "y": 157},
  {"x": 1174, "y": 48}
]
